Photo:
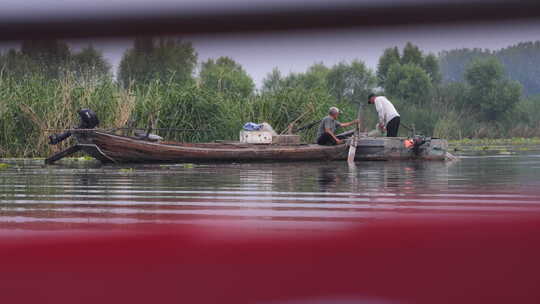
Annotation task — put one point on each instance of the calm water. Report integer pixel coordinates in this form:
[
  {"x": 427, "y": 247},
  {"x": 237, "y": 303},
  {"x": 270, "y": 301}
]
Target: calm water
[{"x": 292, "y": 196}]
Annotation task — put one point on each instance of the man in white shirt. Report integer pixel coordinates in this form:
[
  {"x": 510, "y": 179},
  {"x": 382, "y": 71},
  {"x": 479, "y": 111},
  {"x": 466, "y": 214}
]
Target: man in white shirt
[{"x": 388, "y": 116}]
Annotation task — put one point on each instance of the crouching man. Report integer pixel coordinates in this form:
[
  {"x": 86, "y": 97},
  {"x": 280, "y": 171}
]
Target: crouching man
[
  {"x": 327, "y": 129},
  {"x": 388, "y": 116}
]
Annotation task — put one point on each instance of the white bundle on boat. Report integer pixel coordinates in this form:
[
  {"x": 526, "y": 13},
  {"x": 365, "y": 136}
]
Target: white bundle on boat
[
  {"x": 266, "y": 127},
  {"x": 254, "y": 133}
]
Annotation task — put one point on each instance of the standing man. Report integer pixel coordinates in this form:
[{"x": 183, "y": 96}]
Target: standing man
[
  {"x": 388, "y": 116},
  {"x": 327, "y": 129}
]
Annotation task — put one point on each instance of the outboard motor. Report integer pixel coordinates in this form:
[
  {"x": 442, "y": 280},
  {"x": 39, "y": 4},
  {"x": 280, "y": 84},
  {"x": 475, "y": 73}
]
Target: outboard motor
[
  {"x": 415, "y": 143},
  {"x": 89, "y": 120},
  {"x": 418, "y": 141}
]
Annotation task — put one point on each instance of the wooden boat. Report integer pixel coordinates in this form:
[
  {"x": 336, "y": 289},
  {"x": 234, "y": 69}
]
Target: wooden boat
[{"x": 112, "y": 148}]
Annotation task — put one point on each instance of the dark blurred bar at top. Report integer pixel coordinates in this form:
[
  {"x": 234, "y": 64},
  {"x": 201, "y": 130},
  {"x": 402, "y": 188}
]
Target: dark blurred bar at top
[{"x": 205, "y": 16}]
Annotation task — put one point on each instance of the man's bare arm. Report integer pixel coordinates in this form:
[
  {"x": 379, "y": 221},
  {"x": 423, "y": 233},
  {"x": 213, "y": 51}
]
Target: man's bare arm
[
  {"x": 348, "y": 124},
  {"x": 329, "y": 131}
]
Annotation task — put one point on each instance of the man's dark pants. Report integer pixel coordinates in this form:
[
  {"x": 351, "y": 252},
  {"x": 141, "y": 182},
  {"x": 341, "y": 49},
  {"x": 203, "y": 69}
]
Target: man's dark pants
[
  {"x": 392, "y": 127},
  {"x": 327, "y": 140}
]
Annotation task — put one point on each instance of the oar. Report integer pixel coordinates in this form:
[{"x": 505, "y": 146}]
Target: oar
[
  {"x": 352, "y": 151},
  {"x": 290, "y": 126},
  {"x": 354, "y": 140},
  {"x": 308, "y": 126}
]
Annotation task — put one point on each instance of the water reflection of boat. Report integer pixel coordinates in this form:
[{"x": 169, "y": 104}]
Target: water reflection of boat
[{"x": 112, "y": 148}]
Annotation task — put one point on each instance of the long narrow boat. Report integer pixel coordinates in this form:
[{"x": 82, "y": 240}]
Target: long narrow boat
[{"x": 112, "y": 148}]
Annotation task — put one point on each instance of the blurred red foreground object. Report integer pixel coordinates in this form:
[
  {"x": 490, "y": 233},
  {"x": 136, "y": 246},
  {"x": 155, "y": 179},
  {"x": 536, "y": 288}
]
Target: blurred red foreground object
[{"x": 493, "y": 261}]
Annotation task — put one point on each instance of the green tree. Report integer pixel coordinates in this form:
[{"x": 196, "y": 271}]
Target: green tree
[
  {"x": 350, "y": 82},
  {"x": 89, "y": 63},
  {"x": 455, "y": 94},
  {"x": 411, "y": 77},
  {"x": 528, "y": 112},
  {"x": 224, "y": 75},
  {"x": 158, "y": 58},
  {"x": 491, "y": 94},
  {"x": 48, "y": 57},
  {"x": 431, "y": 66},
  {"x": 409, "y": 82},
  {"x": 47, "y": 51},
  {"x": 389, "y": 58},
  {"x": 53, "y": 59},
  {"x": 453, "y": 63},
  {"x": 273, "y": 81},
  {"x": 412, "y": 55},
  {"x": 313, "y": 78},
  {"x": 520, "y": 63},
  {"x": 14, "y": 64}
]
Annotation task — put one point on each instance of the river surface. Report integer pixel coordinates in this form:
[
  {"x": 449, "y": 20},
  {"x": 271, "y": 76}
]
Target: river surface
[{"x": 324, "y": 196}]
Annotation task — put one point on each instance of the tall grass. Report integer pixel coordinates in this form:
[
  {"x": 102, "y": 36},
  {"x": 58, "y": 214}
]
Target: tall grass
[{"x": 34, "y": 107}]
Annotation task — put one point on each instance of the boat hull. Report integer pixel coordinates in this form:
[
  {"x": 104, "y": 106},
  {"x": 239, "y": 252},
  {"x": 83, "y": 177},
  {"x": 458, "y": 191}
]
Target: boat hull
[{"x": 113, "y": 148}]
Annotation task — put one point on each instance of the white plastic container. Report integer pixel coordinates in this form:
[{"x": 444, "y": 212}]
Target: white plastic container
[{"x": 255, "y": 137}]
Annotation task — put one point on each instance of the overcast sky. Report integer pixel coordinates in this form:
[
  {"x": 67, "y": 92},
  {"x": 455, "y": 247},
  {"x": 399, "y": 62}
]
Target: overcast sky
[{"x": 296, "y": 51}]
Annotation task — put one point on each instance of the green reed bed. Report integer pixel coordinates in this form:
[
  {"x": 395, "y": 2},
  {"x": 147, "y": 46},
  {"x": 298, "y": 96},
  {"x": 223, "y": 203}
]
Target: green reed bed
[{"x": 34, "y": 107}]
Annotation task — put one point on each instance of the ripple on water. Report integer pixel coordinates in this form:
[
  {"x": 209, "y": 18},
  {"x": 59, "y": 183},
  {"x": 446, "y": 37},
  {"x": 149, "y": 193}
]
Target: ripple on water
[{"x": 292, "y": 196}]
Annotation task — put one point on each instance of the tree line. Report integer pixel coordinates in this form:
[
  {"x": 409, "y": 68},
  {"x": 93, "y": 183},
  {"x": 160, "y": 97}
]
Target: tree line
[
  {"x": 53, "y": 59},
  {"x": 520, "y": 63}
]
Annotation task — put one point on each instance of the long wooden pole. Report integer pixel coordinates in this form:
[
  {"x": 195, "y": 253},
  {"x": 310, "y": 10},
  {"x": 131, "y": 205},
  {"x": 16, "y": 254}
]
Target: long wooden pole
[
  {"x": 354, "y": 140},
  {"x": 291, "y": 125},
  {"x": 114, "y": 129},
  {"x": 62, "y": 154}
]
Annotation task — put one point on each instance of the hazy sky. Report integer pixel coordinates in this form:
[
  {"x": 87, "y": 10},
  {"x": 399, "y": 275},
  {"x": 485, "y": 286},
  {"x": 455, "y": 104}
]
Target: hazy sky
[{"x": 296, "y": 51}]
